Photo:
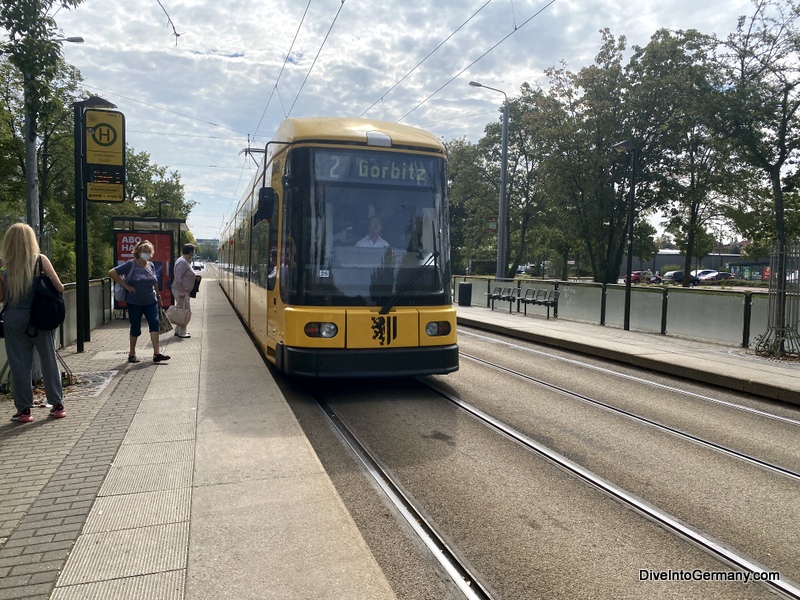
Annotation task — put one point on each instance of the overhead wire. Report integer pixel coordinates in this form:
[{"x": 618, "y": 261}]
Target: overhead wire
[
  {"x": 477, "y": 59},
  {"x": 322, "y": 45},
  {"x": 174, "y": 112},
  {"x": 442, "y": 43},
  {"x": 285, "y": 60}
]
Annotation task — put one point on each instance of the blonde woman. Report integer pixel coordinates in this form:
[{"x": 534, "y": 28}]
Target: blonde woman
[
  {"x": 142, "y": 297},
  {"x": 17, "y": 273}
]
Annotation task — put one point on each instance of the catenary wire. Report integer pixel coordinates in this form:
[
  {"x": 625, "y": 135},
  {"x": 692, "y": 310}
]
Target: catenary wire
[
  {"x": 321, "y": 46},
  {"x": 477, "y": 59},
  {"x": 285, "y": 60},
  {"x": 174, "y": 112},
  {"x": 442, "y": 43}
]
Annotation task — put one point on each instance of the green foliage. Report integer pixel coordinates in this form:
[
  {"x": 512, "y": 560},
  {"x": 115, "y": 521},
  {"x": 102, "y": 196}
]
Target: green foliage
[
  {"x": 472, "y": 201},
  {"x": 758, "y": 100}
]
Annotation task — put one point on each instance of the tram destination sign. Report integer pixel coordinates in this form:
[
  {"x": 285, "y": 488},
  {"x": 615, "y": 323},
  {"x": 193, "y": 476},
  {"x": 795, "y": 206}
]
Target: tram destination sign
[
  {"x": 383, "y": 168},
  {"x": 104, "y": 156}
]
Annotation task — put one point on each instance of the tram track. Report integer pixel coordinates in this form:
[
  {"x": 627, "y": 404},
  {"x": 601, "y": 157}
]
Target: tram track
[
  {"x": 682, "y": 483},
  {"x": 517, "y": 347},
  {"x": 460, "y": 574},
  {"x": 466, "y": 579},
  {"x": 643, "y": 420},
  {"x": 712, "y": 546}
]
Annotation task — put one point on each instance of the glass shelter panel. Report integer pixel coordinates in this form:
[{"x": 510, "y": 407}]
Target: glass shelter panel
[
  {"x": 714, "y": 316},
  {"x": 580, "y": 302}
]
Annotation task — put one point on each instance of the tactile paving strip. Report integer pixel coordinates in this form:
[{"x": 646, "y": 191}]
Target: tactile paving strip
[
  {"x": 130, "y": 511},
  {"x": 103, "y": 556},
  {"x": 159, "y": 586},
  {"x": 153, "y": 454},
  {"x": 147, "y": 478}
]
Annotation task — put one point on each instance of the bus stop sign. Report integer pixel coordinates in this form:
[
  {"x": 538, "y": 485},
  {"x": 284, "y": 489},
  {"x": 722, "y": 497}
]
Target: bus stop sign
[{"x": 104, "y": 156}]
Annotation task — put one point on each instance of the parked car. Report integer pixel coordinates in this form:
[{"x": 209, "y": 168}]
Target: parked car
[
  {"x": 677, "y": 278},
  {"x": 705, "y": 274},
  {"x": 636, "y": 277},
  {"x": 724, "y": 275},
  {"x": 198, "y": 266}
]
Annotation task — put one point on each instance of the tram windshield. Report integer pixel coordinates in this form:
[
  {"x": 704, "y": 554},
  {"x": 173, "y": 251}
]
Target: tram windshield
[{"x": 373, "y": 231}]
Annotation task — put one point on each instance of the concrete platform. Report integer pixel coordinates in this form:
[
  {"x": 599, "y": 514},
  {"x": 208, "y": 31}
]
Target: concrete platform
[{"x": 189, "y": 479}]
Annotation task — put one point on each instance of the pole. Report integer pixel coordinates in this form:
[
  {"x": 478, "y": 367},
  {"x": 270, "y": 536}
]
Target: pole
[
  {"x": 503, "y": 217},
  {"x": 31, "y": 166},
  {"x": 627, "y": 324},
  {"x": 81, "y": 236}
]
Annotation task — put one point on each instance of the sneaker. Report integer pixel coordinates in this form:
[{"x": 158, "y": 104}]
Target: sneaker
[
  {"x": 183, "y": 335},
  {"x": 132, "y": 358},
  {"x": 160, "y": 357},
  {"x": 23, "y": 416},
  {"x": 58, "y": 412}
]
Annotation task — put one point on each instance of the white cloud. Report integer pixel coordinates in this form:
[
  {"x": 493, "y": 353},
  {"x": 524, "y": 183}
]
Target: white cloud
[{"x": 219, "y": 77}]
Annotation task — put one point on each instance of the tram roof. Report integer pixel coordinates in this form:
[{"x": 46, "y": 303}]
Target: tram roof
[{"x": 352, "y": 130}]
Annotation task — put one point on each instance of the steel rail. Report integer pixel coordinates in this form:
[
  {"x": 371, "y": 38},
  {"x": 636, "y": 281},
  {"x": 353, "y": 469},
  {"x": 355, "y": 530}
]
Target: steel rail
[
  {"x": 467, "y": 583},
  {"x": 666, "y": 520},
  {"x": 634, "y": 417},
  {"x": 747, "y": 409}
]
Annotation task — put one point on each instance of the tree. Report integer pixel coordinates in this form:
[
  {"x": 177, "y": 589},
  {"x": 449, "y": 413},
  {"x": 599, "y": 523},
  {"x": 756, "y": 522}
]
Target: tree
[
  {"x": 472, "y": 201},
  {"x": 34, "y": 48},
  {"x": 585, "y": 125},
  {"x": 758, "y": 99},
  {"x": 671, "y": 100}
]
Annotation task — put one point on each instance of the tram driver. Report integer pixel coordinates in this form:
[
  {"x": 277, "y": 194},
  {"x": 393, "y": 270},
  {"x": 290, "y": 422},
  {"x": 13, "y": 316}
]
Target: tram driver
[{"x": 373, "y": 238}]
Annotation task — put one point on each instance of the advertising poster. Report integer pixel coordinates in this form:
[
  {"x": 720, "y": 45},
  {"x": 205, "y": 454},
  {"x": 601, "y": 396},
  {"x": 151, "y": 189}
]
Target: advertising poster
[{"x": 126, "y": 241}]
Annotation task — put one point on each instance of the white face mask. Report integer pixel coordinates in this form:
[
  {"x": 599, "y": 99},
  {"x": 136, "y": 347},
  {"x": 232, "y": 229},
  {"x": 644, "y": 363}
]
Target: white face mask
[{"x": 145, "y": 256}]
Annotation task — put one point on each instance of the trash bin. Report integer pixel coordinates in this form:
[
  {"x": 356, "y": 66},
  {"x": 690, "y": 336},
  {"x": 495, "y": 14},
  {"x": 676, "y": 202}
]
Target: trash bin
[{"x": 465, "y": 294}]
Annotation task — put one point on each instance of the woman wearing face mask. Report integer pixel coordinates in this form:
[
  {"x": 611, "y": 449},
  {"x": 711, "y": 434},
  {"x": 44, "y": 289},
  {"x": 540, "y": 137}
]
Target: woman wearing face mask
[{"x": 142, "y": 297}]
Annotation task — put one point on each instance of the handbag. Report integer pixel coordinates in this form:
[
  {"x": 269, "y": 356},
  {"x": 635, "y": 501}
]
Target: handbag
[
  {"x": 48, "y": 310},
  {"x": 178, "y": 316},
  {"x": 163, "y": 321},
  {"x": 119, "y": 292}
]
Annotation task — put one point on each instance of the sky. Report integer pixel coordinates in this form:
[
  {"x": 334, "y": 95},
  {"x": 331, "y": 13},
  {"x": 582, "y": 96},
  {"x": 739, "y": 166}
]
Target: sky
[{"x": 239, "y": 68}]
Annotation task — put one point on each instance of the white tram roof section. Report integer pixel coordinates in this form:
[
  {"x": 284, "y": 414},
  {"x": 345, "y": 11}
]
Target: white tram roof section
[{"x": 366, "y": 131}]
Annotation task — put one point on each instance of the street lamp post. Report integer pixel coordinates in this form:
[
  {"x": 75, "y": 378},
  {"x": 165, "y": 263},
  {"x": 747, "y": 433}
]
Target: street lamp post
[
  {"x": 502, "y": 214},
  {"x": 629, "y": 148},
  {"x": 31, "y": 160}
]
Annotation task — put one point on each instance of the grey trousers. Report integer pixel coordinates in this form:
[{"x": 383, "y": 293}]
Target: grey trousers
[{"x": 19, "y": 349}]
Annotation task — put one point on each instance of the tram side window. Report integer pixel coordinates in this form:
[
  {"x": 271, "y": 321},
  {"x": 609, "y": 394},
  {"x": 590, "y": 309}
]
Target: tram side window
[{"x": 264, "y": 251}]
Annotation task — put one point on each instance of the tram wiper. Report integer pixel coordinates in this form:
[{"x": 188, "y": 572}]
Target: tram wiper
[{"x": 389, "y": 305}]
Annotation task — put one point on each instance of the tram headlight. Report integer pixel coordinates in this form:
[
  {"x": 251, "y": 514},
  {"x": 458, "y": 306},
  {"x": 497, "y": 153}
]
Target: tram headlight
[
  {"x": 323, "y": 330},
  {"x": 437, "y": 328}
]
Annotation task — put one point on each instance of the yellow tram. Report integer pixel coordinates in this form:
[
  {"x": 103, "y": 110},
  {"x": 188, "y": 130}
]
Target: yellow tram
[{"x": 338, "y": 256}]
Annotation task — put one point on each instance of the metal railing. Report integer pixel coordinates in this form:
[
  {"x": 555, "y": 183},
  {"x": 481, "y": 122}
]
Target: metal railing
[{"x": 725, "y": 316}]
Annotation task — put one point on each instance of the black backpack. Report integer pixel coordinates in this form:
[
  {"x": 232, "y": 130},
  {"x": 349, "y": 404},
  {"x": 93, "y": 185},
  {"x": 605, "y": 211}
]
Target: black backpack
[{"x": 48, "y": 310}]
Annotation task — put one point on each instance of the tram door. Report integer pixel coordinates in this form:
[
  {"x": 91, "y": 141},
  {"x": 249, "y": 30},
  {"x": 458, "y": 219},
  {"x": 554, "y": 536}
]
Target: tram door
[
  {"x": 259, "y": 279},
  {"x": 273, "y": 268}
]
